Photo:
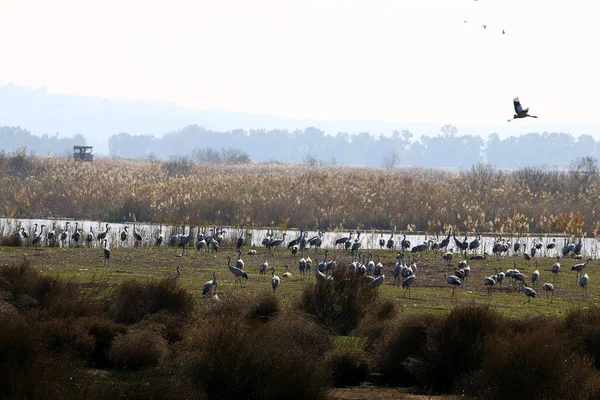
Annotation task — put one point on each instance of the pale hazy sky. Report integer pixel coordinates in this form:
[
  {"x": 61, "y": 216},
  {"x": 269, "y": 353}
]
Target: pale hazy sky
[{"x": 405, "y": 61}]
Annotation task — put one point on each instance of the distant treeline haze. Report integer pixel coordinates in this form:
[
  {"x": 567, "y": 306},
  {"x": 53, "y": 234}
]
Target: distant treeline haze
[{"x": 314, "y": 147}]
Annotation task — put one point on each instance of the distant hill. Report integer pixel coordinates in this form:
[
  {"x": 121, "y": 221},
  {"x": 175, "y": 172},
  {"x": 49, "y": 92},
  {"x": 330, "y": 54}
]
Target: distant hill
[{"x": 97, "y": 119}]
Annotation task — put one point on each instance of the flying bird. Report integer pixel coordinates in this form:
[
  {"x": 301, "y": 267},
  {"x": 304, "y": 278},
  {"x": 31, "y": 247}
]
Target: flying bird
[{"x": 520, "y": 111}]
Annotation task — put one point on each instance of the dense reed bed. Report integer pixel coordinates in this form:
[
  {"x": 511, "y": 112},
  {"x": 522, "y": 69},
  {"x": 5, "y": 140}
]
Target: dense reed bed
[{"x": 479, "y": 199}]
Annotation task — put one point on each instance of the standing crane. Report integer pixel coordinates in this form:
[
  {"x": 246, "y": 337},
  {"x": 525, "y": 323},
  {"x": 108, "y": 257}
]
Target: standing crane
[
  {"x": 124, "y": 235},
  {"x": 583, "y": 282},
  {"x": 37, "y": 236},
  {"x": 239, "y": 273},
  {"x": 263, "y": 268},
  {"x": 240, "y": 240},
  {"x": 89, "y": 237},
  {"x": 102, "y": 235},
  {"x": 64, "y": 235},
  {"x": 276, "y": 243},
  {"x": 76, "y": 236},
  {"x": 160, "y": 237},
  {"x": 580, "y": 267},
  {"x": 106, "y": 253},
  {"x": 137, "y": 236},
  {"x": 407, "y": 282},
  {"x": 275, "y": 281},
  {"x": 454, "y": 281},
  {"x": 381, "y": 241},
  {"x": 529, "y": 292},
  {"x": 378, "y": 281},
  {"x": 343, "y": 240},
  {"x": 184, "y": 241},
  {"x": 549, "y": 289},
  {"x": 556, "y": 268},
  {"x": 390, "y": 243},
  {"x": 52, "y": 235}
]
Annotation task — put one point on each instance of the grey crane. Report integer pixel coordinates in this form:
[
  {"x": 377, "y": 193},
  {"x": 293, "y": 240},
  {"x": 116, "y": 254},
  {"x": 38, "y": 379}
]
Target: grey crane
[
  {"x": 520, "y": 112},
  {"x": 176, "y": 275},
  {"x": 446, "y": 241},
  {"x": 489, "y": 282},
  {"x": 407, "y": 282},
  {"x": 302, "y": 265},
  {"x": 356, "y": 244},
  {"x": 287, "y": 273},
  {"x": 102, "y": 235},
  {"x": 137, "y": 236},
  {"x": 479, "y": 256},
  {"x": 549, "y": 290},
  {"x": 239, "y": 273},
  {"x": 239, "y": 243},
  {"x": 52, "y": 235},
  {"x": 239, "y": 263},
  {"x": 89, "y": 237},
  {"x": 381, "y": 241},
  {"x": 276, "y": 243},
  {"x": 296, "y": 242},
  {"x": 528, "y": 292},
  {"x": 583, "y": 282},
  {"x": 160, "y": 237},
  {"x": 106, "y": 253},
  {"x": 184, "y": 241},
  {"x": 64, "y": 235},
  {"x": 210, "y": 286},
  {"x": 263, "y": 268},
  {"x": 343, "y": 240},
  {"x": 378, "y": 281},
  {"x": 390, "y": 243},
  {"x": 124, "y": 235},
  {"x": 405, "y": 244},
  {"x": 580, "y": 267},
  {"x": 454, "y": 281},
  {"x": 37, "y": 236},
  {"x": 448, "y": 257},
  {"x": 378, "y": 269},
  {"x": 535, "y": 277},
  {"x": 76, "y": 236},
  {"x": 275, "y": 281},
  {"x": 556, "y": 268}
]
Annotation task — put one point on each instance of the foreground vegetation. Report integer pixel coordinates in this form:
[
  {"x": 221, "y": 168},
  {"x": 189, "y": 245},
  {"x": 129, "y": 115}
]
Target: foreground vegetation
[
  {"x": 152, "y": 338},
  {"x": 480, "y": 199}
]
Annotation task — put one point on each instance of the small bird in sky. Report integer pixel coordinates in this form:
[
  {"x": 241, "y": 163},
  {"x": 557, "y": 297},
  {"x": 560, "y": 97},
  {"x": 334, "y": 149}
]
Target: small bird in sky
[
  {"x": 503, "y": 31},
  {"x": 520, "y": 111},
  {"x": 484, "y": 26}
]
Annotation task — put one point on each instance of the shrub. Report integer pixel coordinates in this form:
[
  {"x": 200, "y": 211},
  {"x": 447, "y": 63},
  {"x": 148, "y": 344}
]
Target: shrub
[
  {"x": 400, "y": 357},
  {"x": 57, "y": 298},
  {"x": 138, "y": 349},
  {"x": 134, "y": 300},
  {"x": 240, "y": 360},
  {"x": 455, "y": 346},
  {"x": 103, "y": 332},
  {"x": 348, "y": 366},
  {"x": 339, "y": 303},
  {"x": 266, "y": 308},
  {"x": 538, "y": 364},
  {"x": 583, "y": 329}
]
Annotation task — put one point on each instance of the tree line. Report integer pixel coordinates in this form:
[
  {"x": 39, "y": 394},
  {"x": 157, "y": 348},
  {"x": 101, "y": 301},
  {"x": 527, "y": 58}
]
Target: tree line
[{"x": 313, "y": 146}]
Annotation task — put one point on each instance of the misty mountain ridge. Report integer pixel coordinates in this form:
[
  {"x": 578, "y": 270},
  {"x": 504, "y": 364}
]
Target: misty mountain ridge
[{"x": 97, "y": 119}]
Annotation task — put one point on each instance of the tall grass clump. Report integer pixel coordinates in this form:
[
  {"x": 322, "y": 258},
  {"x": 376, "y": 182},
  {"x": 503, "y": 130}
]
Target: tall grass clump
[
  {"x": 133, "y": 300},
  {"x": 340, "y": 303}
]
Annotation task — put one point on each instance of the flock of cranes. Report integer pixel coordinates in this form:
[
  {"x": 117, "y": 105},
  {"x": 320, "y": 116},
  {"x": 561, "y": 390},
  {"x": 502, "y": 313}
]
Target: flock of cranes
[{"x": 362, "y": 262}]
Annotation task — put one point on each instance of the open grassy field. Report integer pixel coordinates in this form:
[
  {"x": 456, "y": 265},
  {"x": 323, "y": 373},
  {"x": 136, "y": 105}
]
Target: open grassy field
[{"x": 430, "y": 294}]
